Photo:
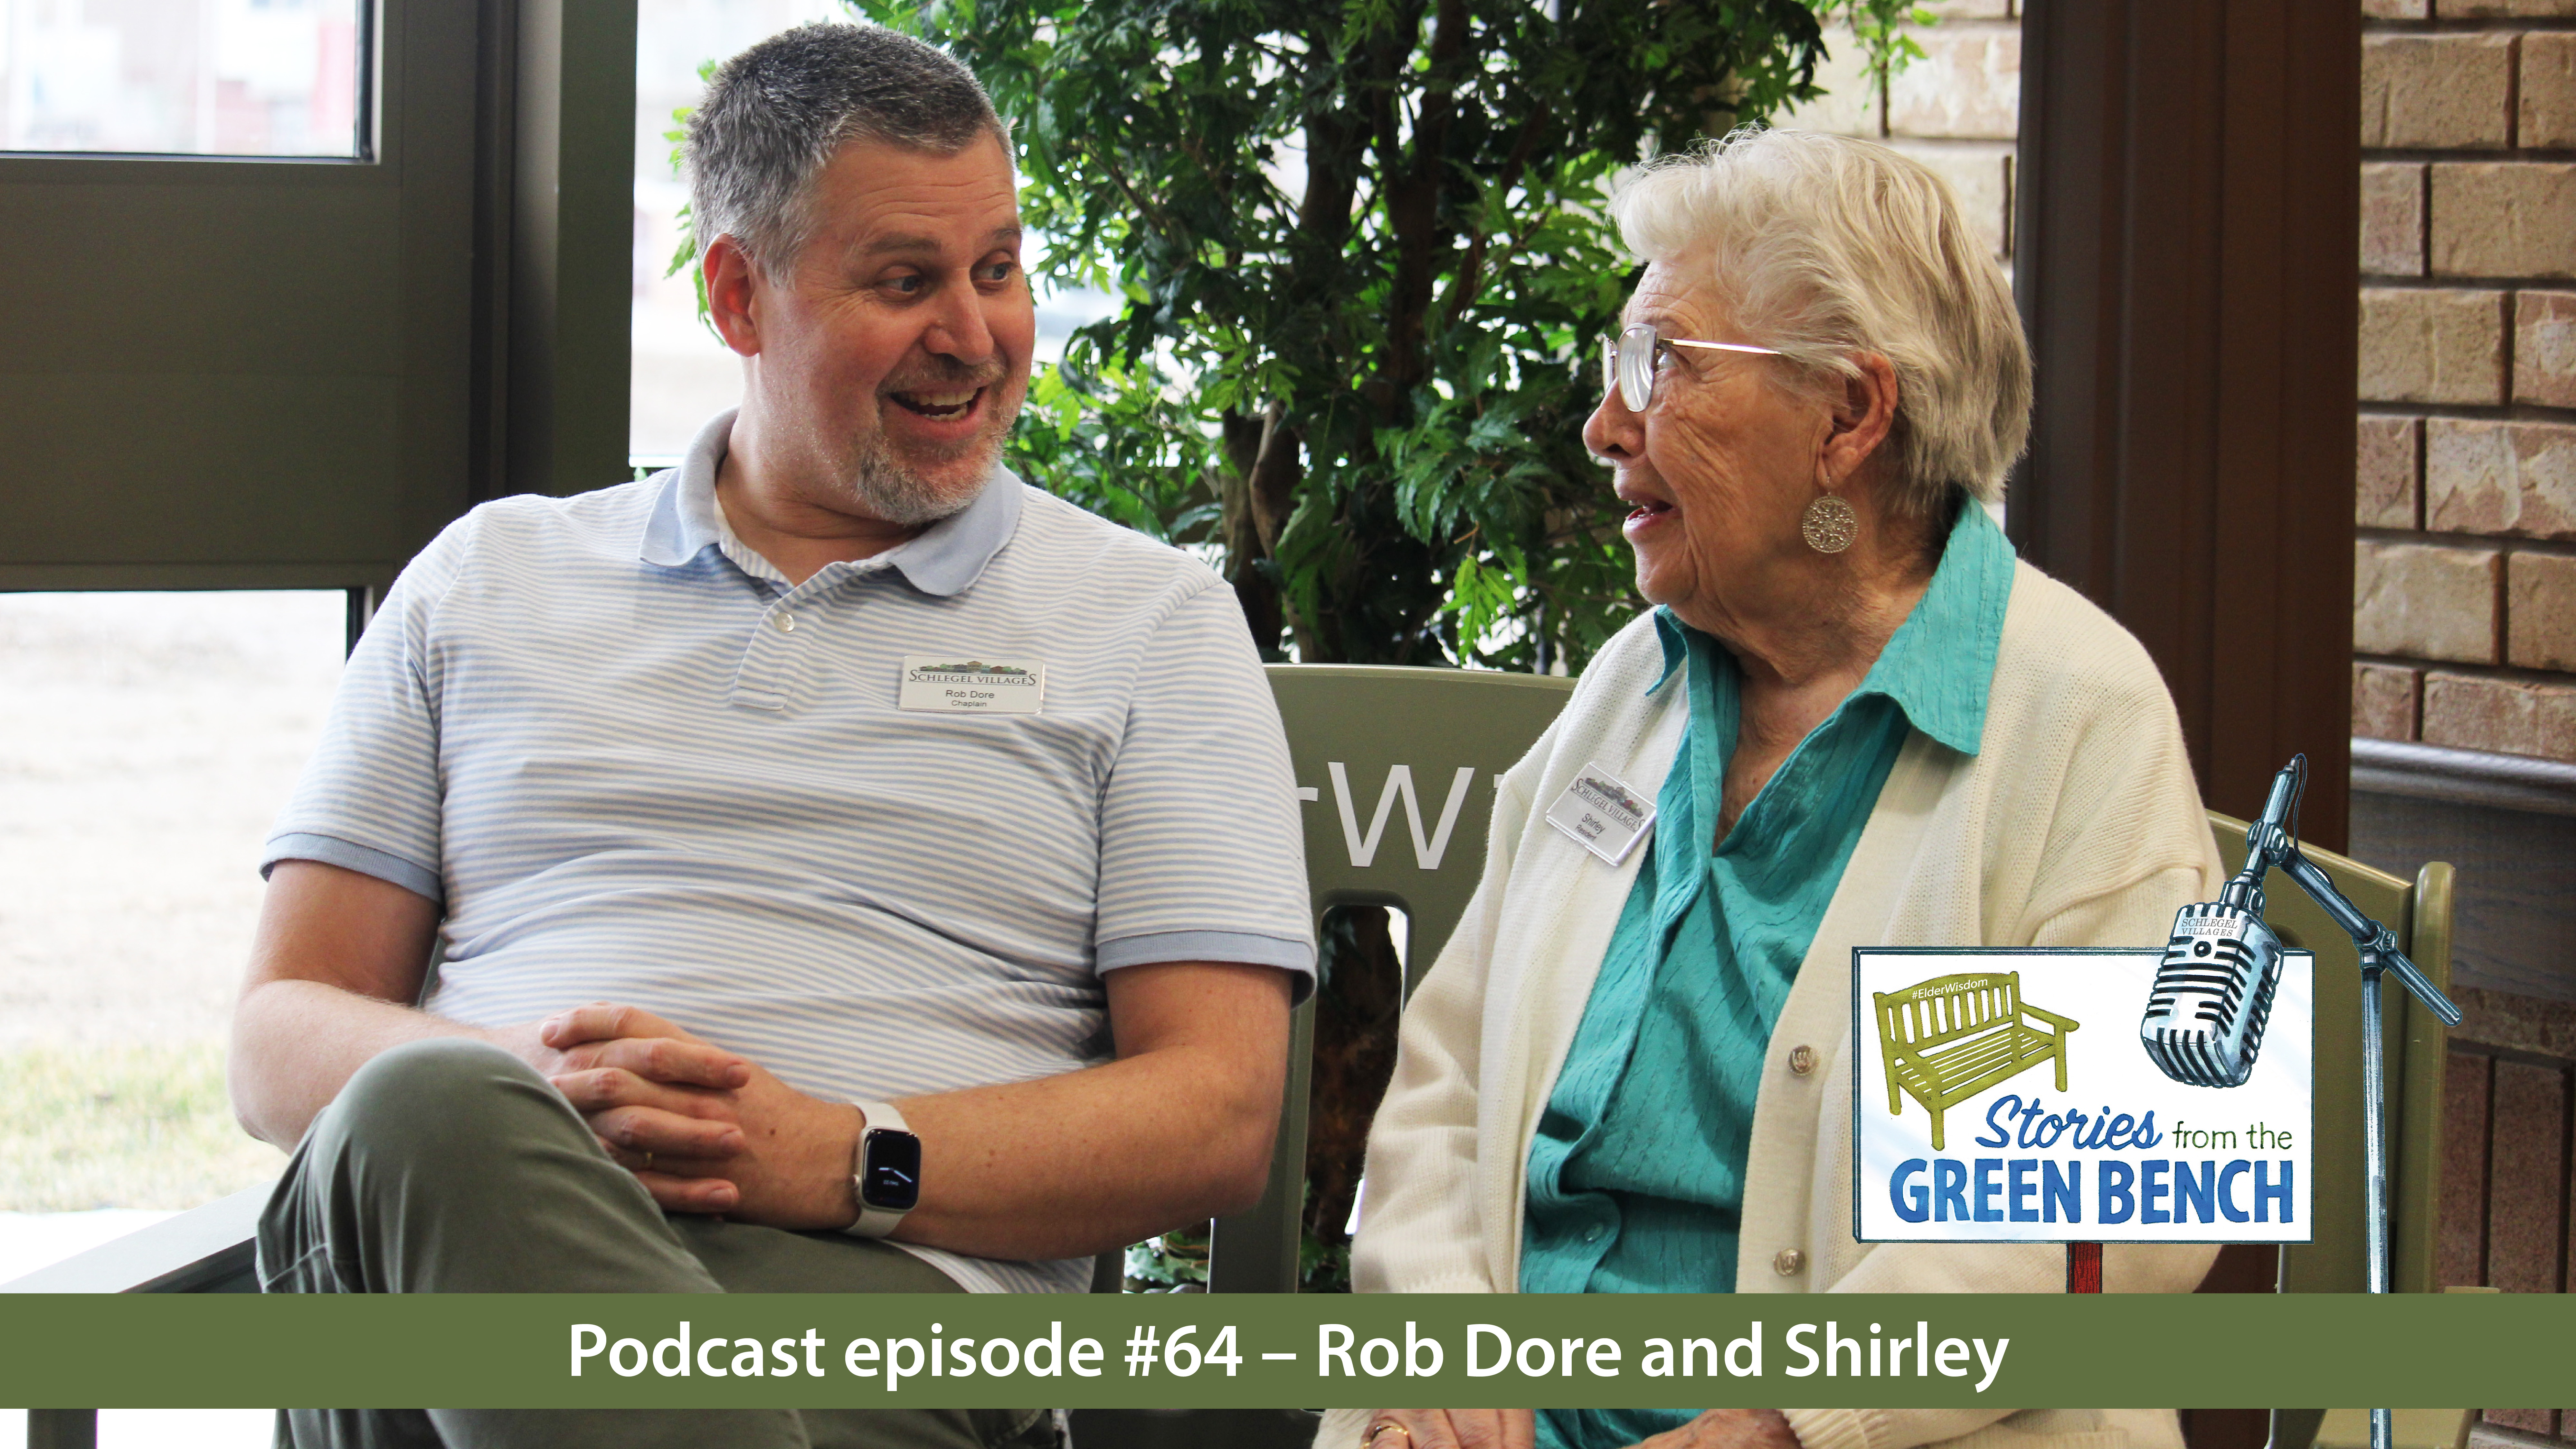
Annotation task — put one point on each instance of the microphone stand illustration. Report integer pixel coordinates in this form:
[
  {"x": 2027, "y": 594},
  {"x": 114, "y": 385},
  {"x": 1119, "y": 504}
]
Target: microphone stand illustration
[{"x": 2213, "y": 992}]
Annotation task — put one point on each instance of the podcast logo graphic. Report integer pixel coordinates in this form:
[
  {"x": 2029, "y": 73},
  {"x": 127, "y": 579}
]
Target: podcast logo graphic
[
  {"x": 1950, "y": 1038},
  {"x": 1984, "y": 1111}
]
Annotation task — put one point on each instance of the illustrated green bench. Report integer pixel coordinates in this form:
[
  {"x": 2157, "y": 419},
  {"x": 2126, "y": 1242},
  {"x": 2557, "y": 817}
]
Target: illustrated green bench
[{"x": 1952, "y": 1037}]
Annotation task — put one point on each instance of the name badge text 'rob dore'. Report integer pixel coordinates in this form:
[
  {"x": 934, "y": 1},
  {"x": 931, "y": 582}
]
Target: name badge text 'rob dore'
[{"x": 967, "y": 684}]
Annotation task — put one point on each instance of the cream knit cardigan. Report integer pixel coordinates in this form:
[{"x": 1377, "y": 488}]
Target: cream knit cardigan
[{"x": 2076, "y": 824}]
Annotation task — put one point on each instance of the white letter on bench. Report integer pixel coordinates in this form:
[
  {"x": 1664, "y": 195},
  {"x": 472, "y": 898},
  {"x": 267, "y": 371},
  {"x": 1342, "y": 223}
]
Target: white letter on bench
[{"x": 1427, "y": 853}]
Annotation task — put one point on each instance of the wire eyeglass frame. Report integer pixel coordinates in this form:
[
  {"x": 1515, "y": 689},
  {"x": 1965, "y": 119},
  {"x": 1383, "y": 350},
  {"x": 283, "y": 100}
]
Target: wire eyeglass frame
[{"x": 1628, "y": 361}]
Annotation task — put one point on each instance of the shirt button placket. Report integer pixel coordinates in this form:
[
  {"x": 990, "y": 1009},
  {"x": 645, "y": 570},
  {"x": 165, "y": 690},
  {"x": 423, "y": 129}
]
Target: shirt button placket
[{"x": 768, "y": 667}]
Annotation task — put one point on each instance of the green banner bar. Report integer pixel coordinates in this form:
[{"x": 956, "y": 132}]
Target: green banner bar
[{"x": 1204, "y": 1351}]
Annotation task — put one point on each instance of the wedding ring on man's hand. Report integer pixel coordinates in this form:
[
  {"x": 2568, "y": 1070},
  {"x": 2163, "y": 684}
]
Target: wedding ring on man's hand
[
  {"x": 648, "y": 1161},
  {"x": 1381, "y": 1426}
]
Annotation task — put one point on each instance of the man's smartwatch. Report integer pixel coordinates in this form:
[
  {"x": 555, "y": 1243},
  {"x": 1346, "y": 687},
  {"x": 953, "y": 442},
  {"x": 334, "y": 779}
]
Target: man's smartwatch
[{"x": 887, "y": 1173}]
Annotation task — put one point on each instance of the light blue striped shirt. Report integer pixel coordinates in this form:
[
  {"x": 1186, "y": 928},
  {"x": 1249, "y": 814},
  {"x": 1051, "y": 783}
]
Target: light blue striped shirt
[{"x": 635, "y": 764}]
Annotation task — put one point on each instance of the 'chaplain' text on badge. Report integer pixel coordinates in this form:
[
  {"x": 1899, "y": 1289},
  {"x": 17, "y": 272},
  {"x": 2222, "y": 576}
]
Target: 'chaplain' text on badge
[{"x": 2005, "y": 1096}]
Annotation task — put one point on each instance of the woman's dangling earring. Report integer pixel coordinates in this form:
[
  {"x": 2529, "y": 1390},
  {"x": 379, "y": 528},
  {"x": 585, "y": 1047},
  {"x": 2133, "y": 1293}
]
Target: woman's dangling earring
[{"x": 1829, "y": 524}]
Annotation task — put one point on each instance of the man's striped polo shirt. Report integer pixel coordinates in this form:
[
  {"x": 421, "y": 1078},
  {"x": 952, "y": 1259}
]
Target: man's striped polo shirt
[{"x": 636, "y": 765}]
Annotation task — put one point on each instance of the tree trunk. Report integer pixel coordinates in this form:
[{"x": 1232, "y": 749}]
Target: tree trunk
[{"x": 1356, "y": 1004}]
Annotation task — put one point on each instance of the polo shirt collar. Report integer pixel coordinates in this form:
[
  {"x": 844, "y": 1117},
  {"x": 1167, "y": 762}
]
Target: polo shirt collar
[
  {"x": 1939, "y": 664},
  {"x": 945, "y": 559}
]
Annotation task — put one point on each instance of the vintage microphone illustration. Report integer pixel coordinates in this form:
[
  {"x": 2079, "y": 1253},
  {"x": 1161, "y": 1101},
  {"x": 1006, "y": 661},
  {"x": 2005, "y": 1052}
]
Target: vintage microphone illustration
[{"x": 2213, "y": 991}]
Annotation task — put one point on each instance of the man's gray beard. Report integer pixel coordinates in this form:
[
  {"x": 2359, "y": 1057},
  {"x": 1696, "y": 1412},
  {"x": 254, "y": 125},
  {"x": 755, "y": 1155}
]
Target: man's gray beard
[
  {"x": 889, "y": 490},
  {"x": 896, "y": 494}
]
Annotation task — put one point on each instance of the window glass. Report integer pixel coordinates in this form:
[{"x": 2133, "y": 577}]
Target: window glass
[
  {"x": 146, "y": 743},
  {"x": 181, "y": 77},
  {"x": 159, "y": 1428},
  {"x": 683, "y": 375}
]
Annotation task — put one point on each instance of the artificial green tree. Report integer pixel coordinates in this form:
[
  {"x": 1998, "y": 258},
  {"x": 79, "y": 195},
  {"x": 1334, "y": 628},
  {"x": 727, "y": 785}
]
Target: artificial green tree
[{"x": 1362, "y": 260}]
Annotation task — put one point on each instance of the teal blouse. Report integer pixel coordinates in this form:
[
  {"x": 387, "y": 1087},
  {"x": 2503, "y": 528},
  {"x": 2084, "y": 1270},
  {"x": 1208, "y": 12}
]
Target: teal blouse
[{"x": 1636, "y": 1176}]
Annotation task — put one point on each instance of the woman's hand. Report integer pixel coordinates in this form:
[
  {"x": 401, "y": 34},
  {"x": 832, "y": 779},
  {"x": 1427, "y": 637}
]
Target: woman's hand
[
  {"x": 1451, "y": 1429},
  {"x": 1729, "y": 1429}
]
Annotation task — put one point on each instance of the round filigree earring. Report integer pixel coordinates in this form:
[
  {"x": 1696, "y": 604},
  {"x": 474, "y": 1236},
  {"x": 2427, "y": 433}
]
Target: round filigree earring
[{"x": 1829, "y": 524}]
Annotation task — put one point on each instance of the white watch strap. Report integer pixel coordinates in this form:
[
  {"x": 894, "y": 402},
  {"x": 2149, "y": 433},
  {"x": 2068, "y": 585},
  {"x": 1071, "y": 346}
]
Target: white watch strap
[{"x": 873, "y": 1222}]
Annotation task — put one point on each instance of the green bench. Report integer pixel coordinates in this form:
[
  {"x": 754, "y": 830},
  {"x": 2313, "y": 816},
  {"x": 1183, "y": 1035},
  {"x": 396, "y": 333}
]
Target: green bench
[{"x": 1949, "y": 1038}]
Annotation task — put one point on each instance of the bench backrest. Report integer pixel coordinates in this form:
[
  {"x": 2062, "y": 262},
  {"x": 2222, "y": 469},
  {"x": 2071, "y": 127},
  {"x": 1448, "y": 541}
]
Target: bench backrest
[
  {"x": 1395, "y": 768},
  {"x": 1931, "y": 1012}
]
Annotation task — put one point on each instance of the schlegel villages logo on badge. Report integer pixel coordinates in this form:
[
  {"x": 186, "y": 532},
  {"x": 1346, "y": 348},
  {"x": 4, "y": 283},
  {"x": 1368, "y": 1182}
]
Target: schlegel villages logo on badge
[
  {"x": 2006, "y": 1096},
  {"x": 973, "y": 685}
]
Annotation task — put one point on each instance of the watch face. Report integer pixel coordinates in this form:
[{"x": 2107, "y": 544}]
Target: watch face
[{"x": 890, "y": 1179}]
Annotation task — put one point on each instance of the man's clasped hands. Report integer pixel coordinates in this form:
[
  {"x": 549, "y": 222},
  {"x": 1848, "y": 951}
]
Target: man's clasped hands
[{"x": 705, "y": 1130}]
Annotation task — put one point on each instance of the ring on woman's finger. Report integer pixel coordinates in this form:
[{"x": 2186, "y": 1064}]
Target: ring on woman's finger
[
  {"x": 1380, "y": 1427},
  {"x": 648, "y": 1161}
]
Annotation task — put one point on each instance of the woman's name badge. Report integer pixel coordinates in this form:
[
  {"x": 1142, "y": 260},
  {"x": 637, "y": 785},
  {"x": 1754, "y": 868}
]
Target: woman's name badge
[
  {"x": 966, "y": 684},
  {"x": 1601, "y": 814}
]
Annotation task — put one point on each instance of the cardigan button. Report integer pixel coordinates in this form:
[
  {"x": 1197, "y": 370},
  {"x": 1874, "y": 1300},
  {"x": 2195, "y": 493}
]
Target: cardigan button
[
  {"x": 1789, "y": 1262},
  {"x": 1802, "y": 1060}
]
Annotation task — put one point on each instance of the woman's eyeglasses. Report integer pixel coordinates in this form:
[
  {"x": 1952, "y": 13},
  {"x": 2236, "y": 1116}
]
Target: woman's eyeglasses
[{"x": 1628, "y": 361}]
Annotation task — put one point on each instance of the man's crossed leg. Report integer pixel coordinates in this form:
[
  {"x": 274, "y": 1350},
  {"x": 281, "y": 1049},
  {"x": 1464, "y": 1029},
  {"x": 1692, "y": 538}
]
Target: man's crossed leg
[{"x": 448, "y": 1165}]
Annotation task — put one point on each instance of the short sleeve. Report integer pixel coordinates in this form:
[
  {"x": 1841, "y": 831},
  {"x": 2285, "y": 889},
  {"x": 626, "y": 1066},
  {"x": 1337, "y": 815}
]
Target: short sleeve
[
  {"x": 369, "y": 799},
  {"x": 1201, "y": 858}
]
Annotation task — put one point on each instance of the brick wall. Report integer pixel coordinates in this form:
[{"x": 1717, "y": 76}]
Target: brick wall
[
  {"x": 1957, "y": 110},
  {"x": 2509, "y": 1175},
  {"x": 2464, "y": 586},
  {"x": 2464, "y": 580}
]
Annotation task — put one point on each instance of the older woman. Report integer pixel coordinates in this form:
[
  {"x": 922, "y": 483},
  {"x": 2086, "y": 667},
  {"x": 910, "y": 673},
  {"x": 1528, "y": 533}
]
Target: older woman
[{"x": 1862, "y": 722}]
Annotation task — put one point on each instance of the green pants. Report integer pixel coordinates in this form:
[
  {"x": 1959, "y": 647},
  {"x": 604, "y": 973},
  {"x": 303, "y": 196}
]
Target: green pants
[{"x": 450, "y": 1166}]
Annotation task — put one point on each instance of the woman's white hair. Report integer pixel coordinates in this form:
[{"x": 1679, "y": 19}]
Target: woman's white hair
[{"x": 1825, "y": 247}]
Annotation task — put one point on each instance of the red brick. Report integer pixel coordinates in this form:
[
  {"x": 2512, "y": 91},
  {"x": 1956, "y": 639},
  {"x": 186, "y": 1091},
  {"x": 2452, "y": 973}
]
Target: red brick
[
  {"x": 2425, "y": 600},
  {"x": 2460, "y": 1247},
  {"x": 2432, "y": 345},
  {"x": 2527, "y": 1190},
  {"x": 2501, "y": 716},
  {"x": 2485, "y": 9},
  {"x": 2437, "y": 92},
  {"x": 2503, "y": 219},
  {"x": 2544, "y": 347},
  {"x": 2392, "y": 219},
  {"x": 2491, "y": 477},
  {"x": 2383, "y": 701},
  {"x": 2530, "y": 1421},
  {"x": 2540, "y": 611},
  {"x": 2548, "y": 91},
  {"x": 2384, "y": 485}
]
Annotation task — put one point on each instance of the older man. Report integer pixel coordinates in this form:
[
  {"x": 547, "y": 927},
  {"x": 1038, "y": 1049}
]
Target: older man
[{"x": 854, "y": 870}]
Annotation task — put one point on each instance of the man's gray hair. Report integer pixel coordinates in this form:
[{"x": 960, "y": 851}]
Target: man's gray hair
[
  {"x": 1826, "y": 247},
  {"x": 775, "y": 116}
]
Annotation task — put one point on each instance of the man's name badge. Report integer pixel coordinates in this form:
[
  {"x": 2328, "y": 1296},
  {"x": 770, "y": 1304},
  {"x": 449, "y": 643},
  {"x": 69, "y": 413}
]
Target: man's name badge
[
  {"x": 1601, "y": 814},
  {"x": 968, "y": 684}
]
